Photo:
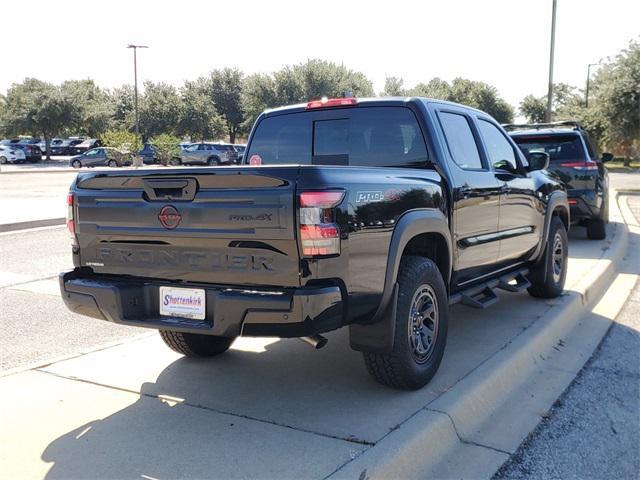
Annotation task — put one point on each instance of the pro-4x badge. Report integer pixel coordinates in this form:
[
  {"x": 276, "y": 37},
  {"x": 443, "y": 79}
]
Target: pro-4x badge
[{"x": 169, "y": 217}]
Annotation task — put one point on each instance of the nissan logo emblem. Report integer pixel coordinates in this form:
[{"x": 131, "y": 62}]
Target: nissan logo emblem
[{"x": 169, "y": 217}]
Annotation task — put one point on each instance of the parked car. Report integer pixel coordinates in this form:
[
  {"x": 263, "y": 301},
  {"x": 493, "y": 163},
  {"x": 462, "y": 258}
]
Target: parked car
[
  {"x": 32, "y": 152},
  {"x": 100, "y": 157},
  {"x": 149, "y": 154},
  {"x": 10, "y": 154},
  {"x": 573, "y": 158},
  {"x": 240, "y": 148},
  {"x": 30, "y": 141},
  {"x": 206, "y": 153},
  {"x": 273, "y": 249},
  {"x": 84, "y": 146},
  {"x": 64, "y": 146}
]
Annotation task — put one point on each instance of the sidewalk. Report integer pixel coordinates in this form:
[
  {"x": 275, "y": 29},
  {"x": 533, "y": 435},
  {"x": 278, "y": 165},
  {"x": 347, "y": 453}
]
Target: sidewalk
[
  {"x": 593, "y": 430},
  {"x": 274, "y": 408}
]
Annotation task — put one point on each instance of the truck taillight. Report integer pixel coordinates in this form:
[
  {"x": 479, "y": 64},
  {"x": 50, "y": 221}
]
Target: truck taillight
[
  {"x": 319, "y": 233},
  {"x": 581, "y": 166},
  {"x": 71, "y": 222}
]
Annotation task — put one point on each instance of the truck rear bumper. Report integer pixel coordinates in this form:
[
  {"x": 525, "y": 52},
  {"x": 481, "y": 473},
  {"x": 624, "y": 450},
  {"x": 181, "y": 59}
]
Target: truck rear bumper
[{"x": 230, "y": 310}]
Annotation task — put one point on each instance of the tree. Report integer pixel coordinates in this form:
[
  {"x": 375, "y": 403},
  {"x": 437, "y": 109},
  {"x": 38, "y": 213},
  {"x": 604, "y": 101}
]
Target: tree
[
  {"x": 92, "y": 111},
  {"x": 472, "y": 93},
  {"x": 435, "y": 88},
  {"x": 300, "y": 83},
  {"x": 393, "y": 87},
  {"x": 198, "y": 116},
  {"x": 258, "y": 94},
  {"x": 167, "y": 147},
  {"x": 616, "y": 100},
  {"x": 225, "y": 87},
  {"x": 159, "y": 109},
  {"x": 123, "y": 108},
  {"x": 533, "y": 108},
  {"x": 37, "y": 108},
  {"x": 320, "y": 78},
  {"x": 122, "y": 140}
]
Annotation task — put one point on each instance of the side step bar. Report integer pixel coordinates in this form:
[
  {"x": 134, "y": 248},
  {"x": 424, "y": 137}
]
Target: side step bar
[
  {"x": 484, "y": 295},
  {"x": 521, "y": 283}
]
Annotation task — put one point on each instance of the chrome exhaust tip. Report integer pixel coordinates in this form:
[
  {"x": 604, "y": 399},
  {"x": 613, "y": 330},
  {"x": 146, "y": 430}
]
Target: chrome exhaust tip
[{"x": 316, "y": 341}]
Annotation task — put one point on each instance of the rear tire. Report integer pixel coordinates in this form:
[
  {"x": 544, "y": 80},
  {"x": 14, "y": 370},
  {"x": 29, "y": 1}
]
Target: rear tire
[
  {"x": 175, "y": 162},
  {"x": 3, "y": 160},
  {"x": 421, "y": 325},
  {"x": 547, "y": 278},
  {"x": 195, "y": 345}
]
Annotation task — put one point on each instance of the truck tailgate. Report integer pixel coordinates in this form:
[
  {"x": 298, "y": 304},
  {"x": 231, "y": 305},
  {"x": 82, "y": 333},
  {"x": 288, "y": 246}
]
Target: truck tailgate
[{"x": 228, "y": 226}]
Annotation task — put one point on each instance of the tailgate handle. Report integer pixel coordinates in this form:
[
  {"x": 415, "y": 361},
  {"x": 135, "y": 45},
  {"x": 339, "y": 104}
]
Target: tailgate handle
[{"x": 170, "y": 189}]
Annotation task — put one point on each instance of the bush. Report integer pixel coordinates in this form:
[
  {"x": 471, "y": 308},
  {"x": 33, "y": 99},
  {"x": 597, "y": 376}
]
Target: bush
[
  {"x": 122, "y": 140},
  {"x": 167, "y": 147}
]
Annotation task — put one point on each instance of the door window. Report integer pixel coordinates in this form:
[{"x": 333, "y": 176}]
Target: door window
[
  {"x": 462, "y": 144},
  {"x": 501, "y": 154}
]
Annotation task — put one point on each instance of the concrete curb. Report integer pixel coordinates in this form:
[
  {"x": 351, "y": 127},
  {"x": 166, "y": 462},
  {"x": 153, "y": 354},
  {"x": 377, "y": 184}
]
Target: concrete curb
[
  {"x": 41, "y": 170},
  {"x": 47, "y": 222},
  {"x": 473, "y": 428}
]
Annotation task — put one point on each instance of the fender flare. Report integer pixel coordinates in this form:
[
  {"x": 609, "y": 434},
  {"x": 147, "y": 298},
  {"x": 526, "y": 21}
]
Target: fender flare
[
  {"x": 377, "y": 335},
  {"x": 557, "y": 201}
]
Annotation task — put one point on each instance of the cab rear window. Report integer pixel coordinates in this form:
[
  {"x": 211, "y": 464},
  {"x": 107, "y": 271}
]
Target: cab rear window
[{"x": 367, "y": 136}]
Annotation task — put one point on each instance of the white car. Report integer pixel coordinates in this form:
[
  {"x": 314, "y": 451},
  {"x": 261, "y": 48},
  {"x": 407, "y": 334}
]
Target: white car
[{"x": 9, "y": 154}]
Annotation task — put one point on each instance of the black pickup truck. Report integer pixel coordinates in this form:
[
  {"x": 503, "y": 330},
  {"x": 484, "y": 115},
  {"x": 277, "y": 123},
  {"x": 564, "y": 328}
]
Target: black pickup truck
[{"x": 375, "y": 214}]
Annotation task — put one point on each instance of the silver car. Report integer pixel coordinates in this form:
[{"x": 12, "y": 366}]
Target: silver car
[{"x": 207, "y": 154}]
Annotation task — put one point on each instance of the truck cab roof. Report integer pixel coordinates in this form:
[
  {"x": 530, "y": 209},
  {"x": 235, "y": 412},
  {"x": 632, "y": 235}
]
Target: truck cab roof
[{"x": 367, "y": 102}]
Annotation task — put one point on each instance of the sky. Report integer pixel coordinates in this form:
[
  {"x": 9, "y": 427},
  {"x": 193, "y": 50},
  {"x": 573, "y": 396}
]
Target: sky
[{"x": 502, "y": 42}]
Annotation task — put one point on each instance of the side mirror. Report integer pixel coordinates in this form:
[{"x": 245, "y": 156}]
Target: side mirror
[
  {"x": 538, "y": 161},
  {"x": 607, "y": 157}
]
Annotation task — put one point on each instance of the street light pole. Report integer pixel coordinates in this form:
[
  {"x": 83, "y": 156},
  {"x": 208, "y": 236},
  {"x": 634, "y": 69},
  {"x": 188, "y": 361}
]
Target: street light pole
[
  {"x": 547, "y": 114},
  {"x": 135, "y": 80},
  {"x": 586, "y": 95}
]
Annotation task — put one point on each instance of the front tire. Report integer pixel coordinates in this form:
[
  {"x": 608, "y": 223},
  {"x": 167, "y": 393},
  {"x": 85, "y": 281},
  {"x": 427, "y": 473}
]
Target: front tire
[
  {"x": 212, "y": 162},
  {"x": 547, "y": 278},
  {"x": 112, "y": 163},
  {"x": 421, "y": 325},
  {"x": 76, "y": 164},
  {"x": 195, "y": 345},
  {"x": 3, "y": 160}
]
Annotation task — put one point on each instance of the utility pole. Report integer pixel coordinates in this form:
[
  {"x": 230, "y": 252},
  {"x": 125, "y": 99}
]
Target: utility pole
[
  {"x": 135, "y": 80},
  {"x": 586, "y": 95},
  {"x": 547, "y": 114}
]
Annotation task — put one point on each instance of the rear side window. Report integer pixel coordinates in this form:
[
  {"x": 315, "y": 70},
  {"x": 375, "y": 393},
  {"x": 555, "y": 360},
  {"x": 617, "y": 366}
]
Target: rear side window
[
  {"x": 373, "y": 136},
  {"x": 559, "y": 147},
  {"x": 501, "y": 154},
  {"x": 462, "y": 144}
]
